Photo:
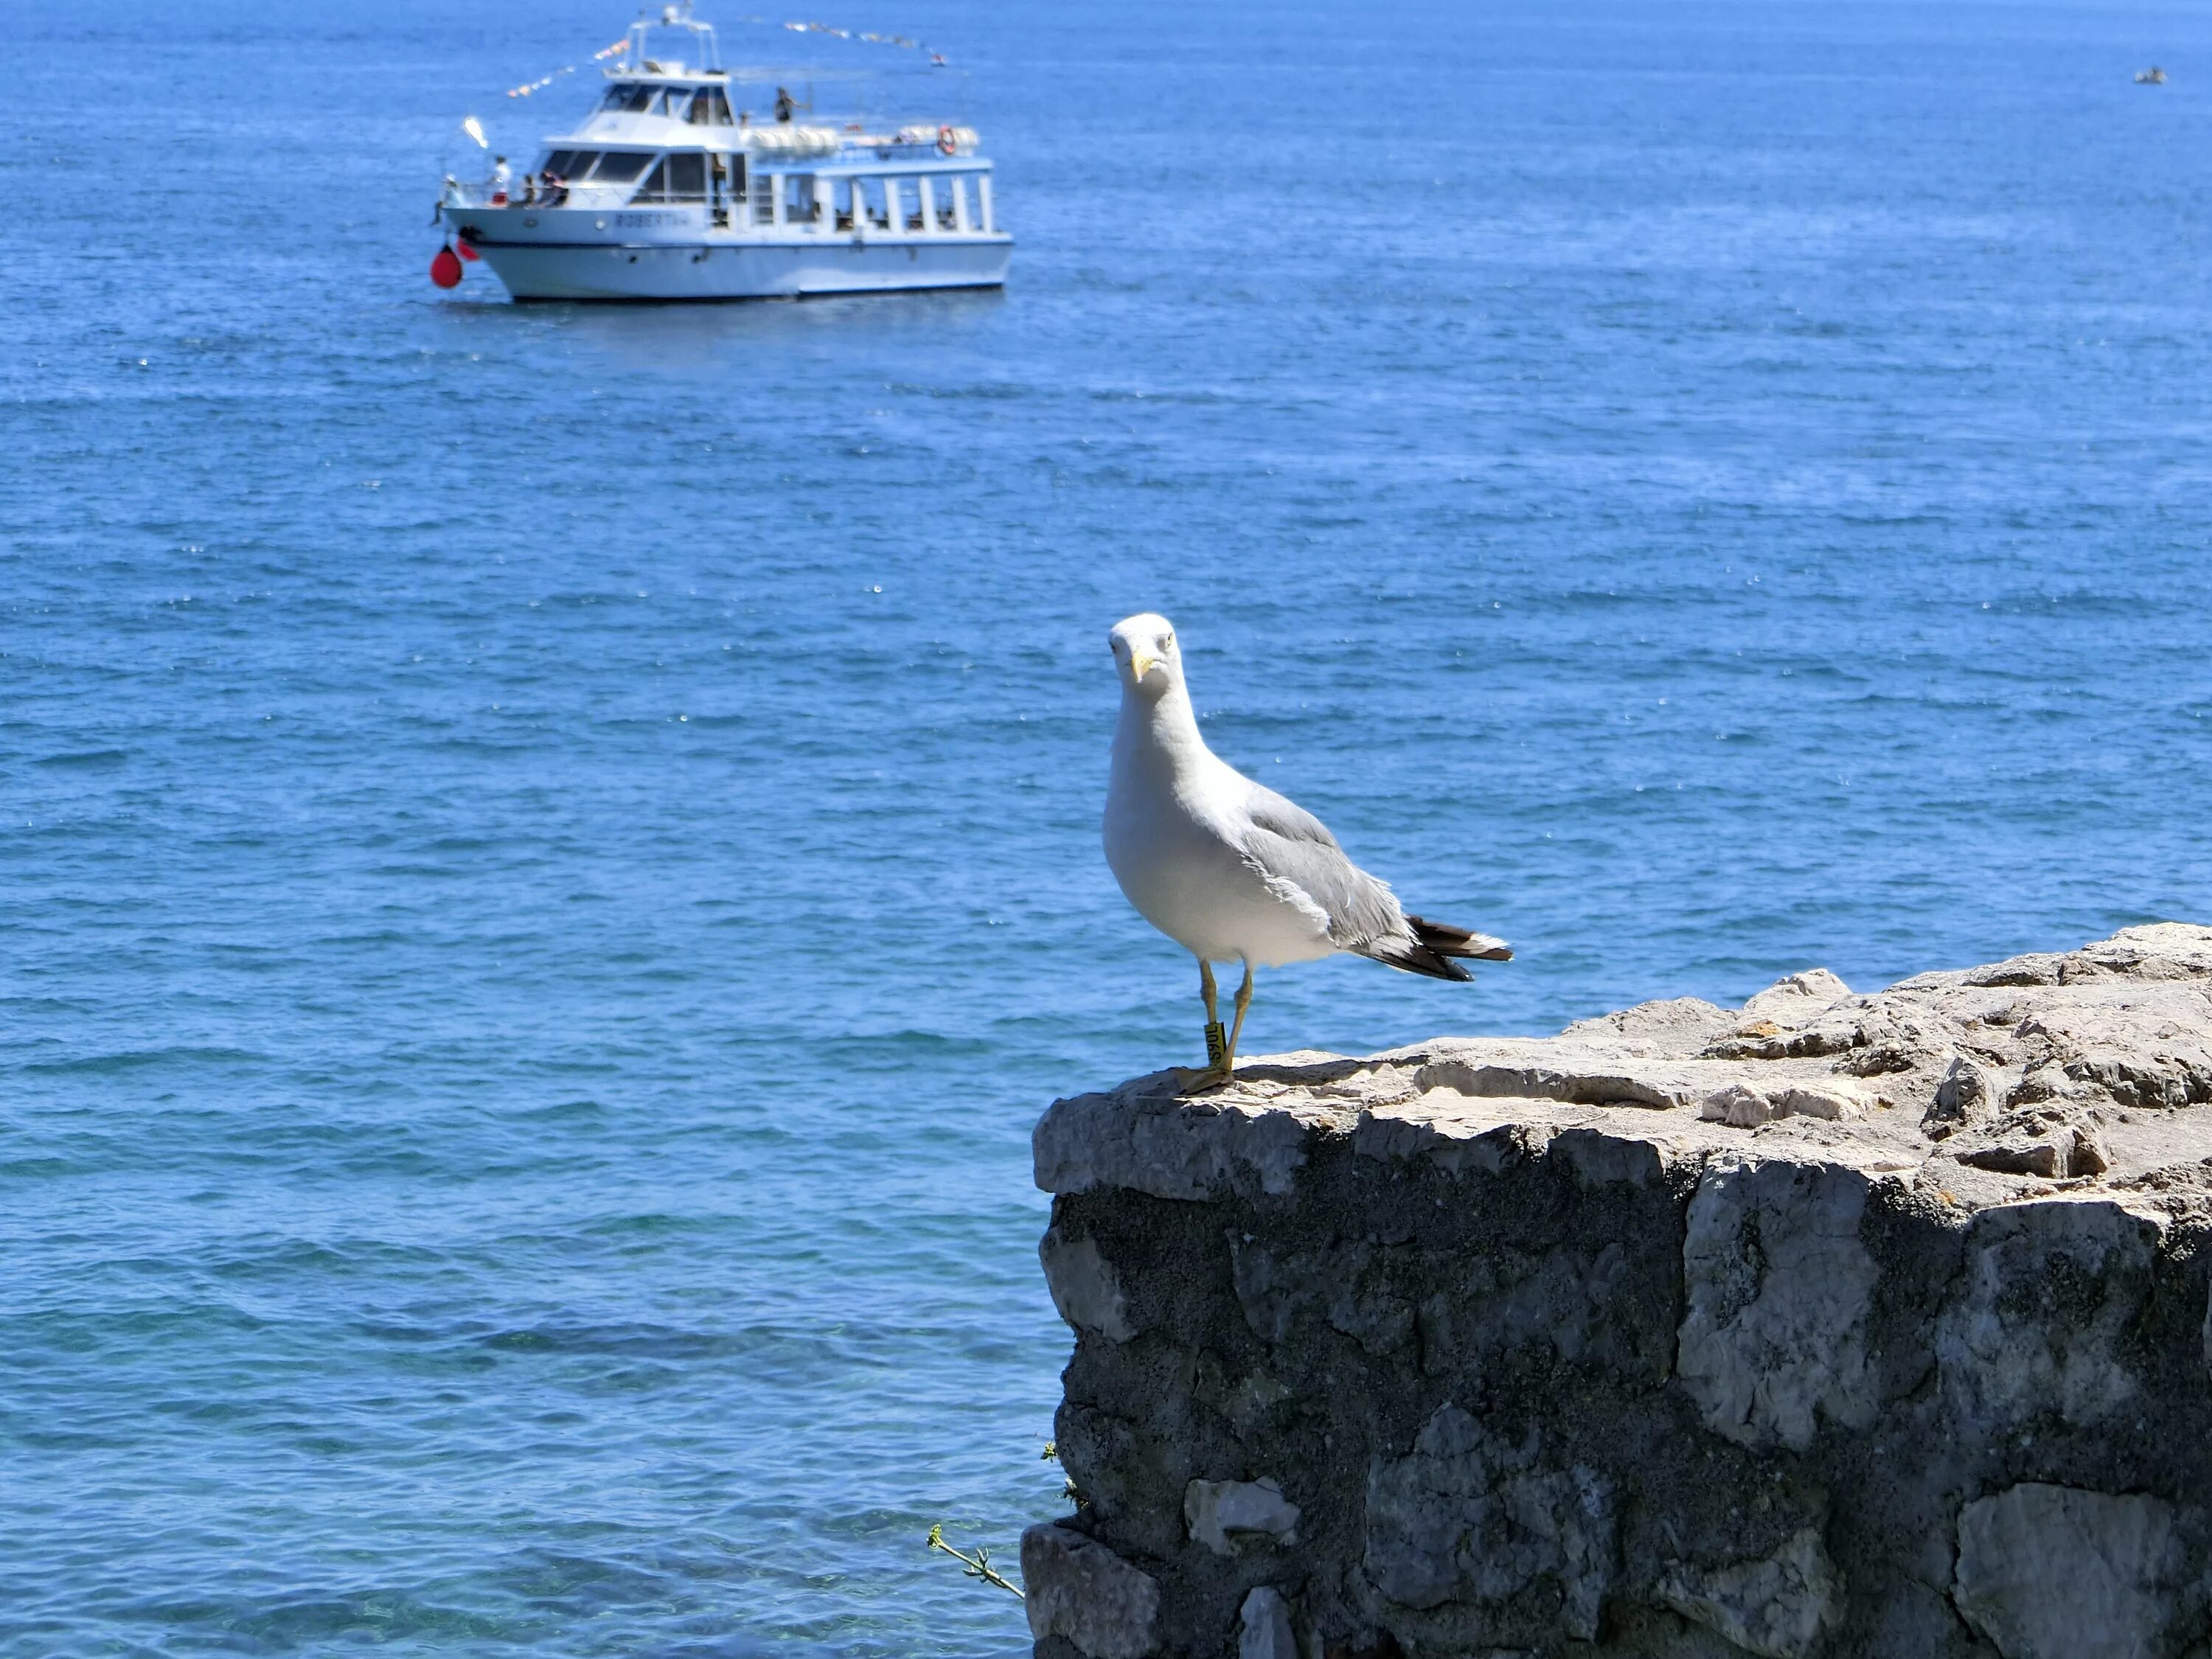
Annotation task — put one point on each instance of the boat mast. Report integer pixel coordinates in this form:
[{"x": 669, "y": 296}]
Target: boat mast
[{"x": 677, "y": 14}]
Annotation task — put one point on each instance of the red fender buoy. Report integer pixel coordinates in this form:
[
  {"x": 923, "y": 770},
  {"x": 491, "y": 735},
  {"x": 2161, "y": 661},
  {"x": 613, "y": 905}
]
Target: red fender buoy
[
  {"x": 445, "y": 269},
  {"x": 467, "y": 253}
]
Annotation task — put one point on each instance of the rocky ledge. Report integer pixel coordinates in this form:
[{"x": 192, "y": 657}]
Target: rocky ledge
[{"x": 1835, "y": 1324}]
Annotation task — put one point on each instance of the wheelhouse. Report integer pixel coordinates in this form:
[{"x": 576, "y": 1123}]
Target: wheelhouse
[{"x": 695, "y": 105}]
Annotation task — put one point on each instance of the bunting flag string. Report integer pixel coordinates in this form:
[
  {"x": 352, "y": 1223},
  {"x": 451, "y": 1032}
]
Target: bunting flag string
[
  {"x": 543, "y": 82},
  {"x": 870, "y": 36},
  {"x": 847, "y": 34}
]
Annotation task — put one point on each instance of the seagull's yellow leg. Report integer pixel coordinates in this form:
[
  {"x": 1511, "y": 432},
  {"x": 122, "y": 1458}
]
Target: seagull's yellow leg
[
  {"x": 1220, "y": 1055},
  {"x": 1214, "y": 1045},
  {"x": 1217, "y": 1046},
  {"x": 1243, "y": 1001}
]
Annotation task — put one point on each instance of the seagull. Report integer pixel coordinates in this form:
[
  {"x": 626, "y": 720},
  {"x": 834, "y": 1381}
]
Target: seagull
[{"x": 1229, "y": 869}]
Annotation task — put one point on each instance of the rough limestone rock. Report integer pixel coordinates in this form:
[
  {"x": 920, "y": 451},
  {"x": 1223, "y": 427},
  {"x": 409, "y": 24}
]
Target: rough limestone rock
[
  {"x": 1780, "y": 1289},
  {"x": 1834, "y": 1325},
  {"x": 2051, "y": 1572},
  {"x": 1266, "y": 1631},
  {"x": 1219, "y": 1512},
  {"x": 1084, "y": 1289},
  {"x": 1776, "y": 1607},
  {"x": 1076, "y": 1589}
]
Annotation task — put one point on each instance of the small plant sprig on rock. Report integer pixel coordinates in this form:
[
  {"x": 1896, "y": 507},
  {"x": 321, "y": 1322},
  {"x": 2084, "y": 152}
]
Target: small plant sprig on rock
[{"x": 977, "y": 1565}]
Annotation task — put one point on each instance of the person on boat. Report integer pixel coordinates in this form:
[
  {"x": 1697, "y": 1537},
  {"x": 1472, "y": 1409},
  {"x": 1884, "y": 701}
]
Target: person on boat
[
  {"x": 784, "y": 106},
  {"x": 556, "y": 190},
  {"x": 529, "y": 190}
]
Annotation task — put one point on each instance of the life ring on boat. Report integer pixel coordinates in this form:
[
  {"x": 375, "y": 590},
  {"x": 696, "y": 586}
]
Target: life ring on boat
[{"x": 947, "y": 142}]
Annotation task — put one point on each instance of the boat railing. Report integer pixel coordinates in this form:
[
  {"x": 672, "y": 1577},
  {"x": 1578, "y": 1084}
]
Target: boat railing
[
  {"x": 528, "y": 194},
  {"x": 801, "y": 197}
]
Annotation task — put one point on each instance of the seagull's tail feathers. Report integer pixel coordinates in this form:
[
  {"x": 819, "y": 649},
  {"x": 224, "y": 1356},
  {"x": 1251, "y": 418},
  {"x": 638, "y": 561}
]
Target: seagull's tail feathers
[
  {"x": 1428, "y": 947},
  {"x": 1404, "y": 950},
  {"x": 1447, "y": 941}
]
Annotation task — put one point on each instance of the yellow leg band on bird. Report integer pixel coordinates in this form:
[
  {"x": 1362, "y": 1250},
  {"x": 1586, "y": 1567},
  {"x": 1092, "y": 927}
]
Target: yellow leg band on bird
[{"x": 1217, "y": 1043}]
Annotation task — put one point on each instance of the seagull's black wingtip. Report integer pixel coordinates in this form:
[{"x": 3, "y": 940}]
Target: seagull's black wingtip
[
  {"x": 1412, "y": 956},
  {"x": 1447, "y": 941}
]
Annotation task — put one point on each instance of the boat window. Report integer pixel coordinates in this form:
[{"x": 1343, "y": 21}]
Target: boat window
[
  {"x": 952, "y": 191},
  {"x": 618, "y": 96},
  {"x": 687, "y": 178},
  {"x": 726, "y": 179},
  {"x": 764, "y": 200},
  {"x": 799, "y": 197},
  {"x": 561, "y": 163},
  {"x": 874, "y": 196},
  {"x": 619, "y": 167},
  {"x": 710, "y": 108},
  {"x": 677, "y": 178},
  {"x": 640, "y": 100}
]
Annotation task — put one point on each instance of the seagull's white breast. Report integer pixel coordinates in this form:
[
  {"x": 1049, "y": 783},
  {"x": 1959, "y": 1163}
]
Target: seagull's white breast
[{"x": 1173, "y": 810}]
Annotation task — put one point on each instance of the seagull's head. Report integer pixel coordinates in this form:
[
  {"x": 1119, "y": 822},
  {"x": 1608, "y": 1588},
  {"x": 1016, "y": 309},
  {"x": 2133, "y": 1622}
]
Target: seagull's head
[{"x": 1146, "y": 652}]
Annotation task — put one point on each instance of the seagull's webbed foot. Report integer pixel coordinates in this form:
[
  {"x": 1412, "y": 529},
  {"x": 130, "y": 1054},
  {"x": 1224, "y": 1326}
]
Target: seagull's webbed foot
[{"x": 1196, "y": 1080}]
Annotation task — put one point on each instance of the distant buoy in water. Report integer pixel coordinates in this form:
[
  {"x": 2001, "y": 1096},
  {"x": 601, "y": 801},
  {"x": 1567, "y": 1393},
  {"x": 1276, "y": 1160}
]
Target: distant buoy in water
[
  {"x": 2153, "y": 77},
  {"x": 445, "y": 269}
]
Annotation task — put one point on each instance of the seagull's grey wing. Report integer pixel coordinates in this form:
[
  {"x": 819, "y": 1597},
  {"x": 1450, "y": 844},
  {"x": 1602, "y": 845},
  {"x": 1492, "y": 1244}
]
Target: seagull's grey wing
[{"x": 1294, "y": 854}]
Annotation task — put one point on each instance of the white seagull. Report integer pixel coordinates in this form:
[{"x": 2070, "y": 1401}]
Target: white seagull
[{"x": 1229, "y": 869}]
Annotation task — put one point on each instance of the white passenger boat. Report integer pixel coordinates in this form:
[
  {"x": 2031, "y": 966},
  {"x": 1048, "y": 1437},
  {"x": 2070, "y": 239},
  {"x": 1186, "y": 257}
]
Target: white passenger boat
[{"x": 673, "y": 189}]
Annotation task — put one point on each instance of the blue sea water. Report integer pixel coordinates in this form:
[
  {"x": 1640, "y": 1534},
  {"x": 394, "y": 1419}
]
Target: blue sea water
[{"x": 550, "y": 853}]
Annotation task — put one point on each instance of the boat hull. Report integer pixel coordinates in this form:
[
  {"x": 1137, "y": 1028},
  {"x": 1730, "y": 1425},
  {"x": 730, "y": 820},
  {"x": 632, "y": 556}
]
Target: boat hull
[{"x": 742, "y": 269}]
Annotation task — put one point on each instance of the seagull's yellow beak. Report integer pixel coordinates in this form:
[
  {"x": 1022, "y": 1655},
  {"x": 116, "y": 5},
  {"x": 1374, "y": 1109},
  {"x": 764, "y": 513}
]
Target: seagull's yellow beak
[{"x": 1141, "y": 663}]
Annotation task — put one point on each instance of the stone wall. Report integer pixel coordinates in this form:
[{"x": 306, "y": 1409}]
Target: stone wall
[{"x": 1832, "y": 1325}]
